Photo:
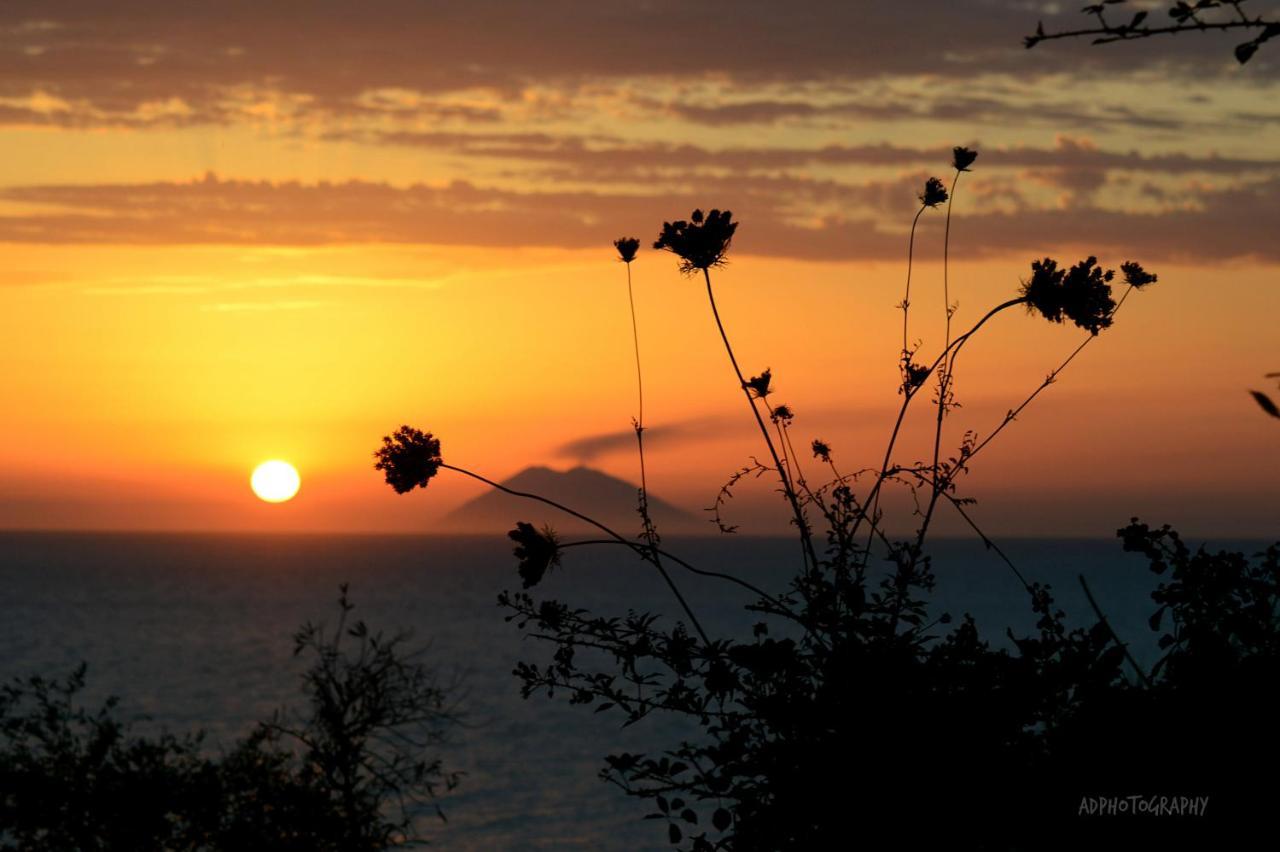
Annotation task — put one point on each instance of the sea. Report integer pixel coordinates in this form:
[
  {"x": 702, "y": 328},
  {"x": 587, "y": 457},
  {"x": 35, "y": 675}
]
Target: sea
[{"x": 194, "y": 631}]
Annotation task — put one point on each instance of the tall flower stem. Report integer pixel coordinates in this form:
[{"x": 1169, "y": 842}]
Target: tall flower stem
[
  {"x": 1050, "y": 379},
  {"x": 650, "y": 532},
  {"x": 872, "y": 503},
  {"x": 645, "y": 552},
  {"x": 803, "y": 525},
  {"x": 944, "y": 374},
  {"x": 946, "y": 256},
  {"x": 906, "y": 299}
]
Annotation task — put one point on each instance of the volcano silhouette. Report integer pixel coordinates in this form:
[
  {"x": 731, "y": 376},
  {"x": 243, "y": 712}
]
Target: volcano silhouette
[{"x": 608, "y": 499}]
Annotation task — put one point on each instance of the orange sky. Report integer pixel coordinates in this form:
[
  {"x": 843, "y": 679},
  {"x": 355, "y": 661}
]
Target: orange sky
[{"x": 219, "y": 250}]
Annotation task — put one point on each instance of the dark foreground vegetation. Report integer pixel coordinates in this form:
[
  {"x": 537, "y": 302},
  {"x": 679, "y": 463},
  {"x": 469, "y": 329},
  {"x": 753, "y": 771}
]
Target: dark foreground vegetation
[
  {"x": 851, "y": 718},
  {"x": 350, "y": 772}
]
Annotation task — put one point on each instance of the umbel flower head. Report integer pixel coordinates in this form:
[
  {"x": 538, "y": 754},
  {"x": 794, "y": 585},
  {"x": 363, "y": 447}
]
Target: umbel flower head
[
  {"x": 700, "y": 243},
  {"x": 783, "y": 414},
  {"x": 934, "y": 193},
  {"x": 627, "y": 247},
  {"x": 821, "y": 450},
  {"x": 962, "y": 158},
  {"x": 1081, "y": 294},
  {"x": 537, "y": 550},
  {"x": 1135, "y": 276},
  {"x": 759, "y": 385},
  {"x": 409, "y": 457}
]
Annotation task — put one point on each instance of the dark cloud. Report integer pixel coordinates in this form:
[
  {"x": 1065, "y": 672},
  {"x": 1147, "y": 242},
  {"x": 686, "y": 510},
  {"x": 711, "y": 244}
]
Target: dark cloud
[
  {"x": 1204, "y": 223},
  {"x": 612, "y": 155},
  {"x": 664, "y": 436},
  {"x": 108, "y": 59}
]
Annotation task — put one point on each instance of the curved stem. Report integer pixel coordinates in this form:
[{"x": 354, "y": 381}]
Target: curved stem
[
  {"x": 906, "y": 299},
  {"x": 873, "y": 496},
  {"x": 640, "y": 549},
  {"x": 944, "y": 375},
  {"x": 803, "y": 525},
  {"x": 946, "y": 257},
  {"x": 635, "y": 338},
  {"x": 685, "y": 565},
  {"x": 1013, "y": 414},
  {"x": 1115, "y": 638},
  {"x": 650, "y": 531}
]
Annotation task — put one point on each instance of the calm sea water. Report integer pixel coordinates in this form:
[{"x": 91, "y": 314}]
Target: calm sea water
[{"x": 194, "y": 631}]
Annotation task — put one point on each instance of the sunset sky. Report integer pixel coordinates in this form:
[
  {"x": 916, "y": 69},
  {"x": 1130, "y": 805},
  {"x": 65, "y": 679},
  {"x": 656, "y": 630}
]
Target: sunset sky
[{"x": 240, "y": 231}]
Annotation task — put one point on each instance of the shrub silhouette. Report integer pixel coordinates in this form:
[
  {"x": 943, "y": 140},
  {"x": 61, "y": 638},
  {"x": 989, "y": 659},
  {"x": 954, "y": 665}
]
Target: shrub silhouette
[
  {"x": 347, "y": 775},
  {"x": 852, "y": 714}
]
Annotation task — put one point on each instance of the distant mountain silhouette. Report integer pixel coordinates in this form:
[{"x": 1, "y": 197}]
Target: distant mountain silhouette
[{"x": 606, "y": 498}]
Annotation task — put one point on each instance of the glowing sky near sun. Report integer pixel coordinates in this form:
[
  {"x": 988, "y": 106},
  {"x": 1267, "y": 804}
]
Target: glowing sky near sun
[{"x": 237, "y": 234}]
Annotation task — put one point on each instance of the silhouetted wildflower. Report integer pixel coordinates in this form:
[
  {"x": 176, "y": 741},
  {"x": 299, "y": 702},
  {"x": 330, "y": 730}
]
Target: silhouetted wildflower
[
  {"x": 1081, "y": 293},
  {"x": 759, "y": 385},
  {"x": 537, "y": 551},
  {"x": 1135, "y": 276},
  {"x": 935, "y": 193},
  {"x": 409, "y": 457},
  {"x": 700, "y": 243},
  {"x": 821, "y": 450},
  {"x": 962, "y": 158},
  {"x": 627, "y": 247},
  {"x": 783, "y": 414},
  {"x": 914, "y": 375}
]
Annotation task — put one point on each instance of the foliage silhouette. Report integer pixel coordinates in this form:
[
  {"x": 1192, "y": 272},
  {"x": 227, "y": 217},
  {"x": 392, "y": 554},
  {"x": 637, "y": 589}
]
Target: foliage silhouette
[
  {"x": 1185, "y": 15},
  {"x": 851, "y": 713},
  {"x": 1265, "y": 402},
  {"x": 349, "y": 775}
]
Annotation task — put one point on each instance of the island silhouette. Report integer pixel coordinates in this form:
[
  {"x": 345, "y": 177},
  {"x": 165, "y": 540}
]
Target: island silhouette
[{"x": 611, "y": 500}]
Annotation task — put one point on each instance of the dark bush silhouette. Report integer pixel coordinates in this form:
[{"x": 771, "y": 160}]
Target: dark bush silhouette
[
  {"x": 855, "y": 714},
  {"x": 348, "y": 774}
]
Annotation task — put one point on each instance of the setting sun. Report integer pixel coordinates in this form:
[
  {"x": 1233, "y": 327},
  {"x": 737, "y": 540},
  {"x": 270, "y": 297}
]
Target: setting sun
[{"x": 275, "y": 481}]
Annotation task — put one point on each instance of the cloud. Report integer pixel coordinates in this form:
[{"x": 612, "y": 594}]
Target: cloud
[
  {"x": 1203, "y": 221},
  {"x": 144, "y": 61},
  {"x": 253, "y": 307},
  {"x": 665, "y": 436}
]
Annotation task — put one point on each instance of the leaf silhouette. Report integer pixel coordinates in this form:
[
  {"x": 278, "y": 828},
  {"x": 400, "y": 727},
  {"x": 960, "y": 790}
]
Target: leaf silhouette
[{"x": 1266, "y": 403}]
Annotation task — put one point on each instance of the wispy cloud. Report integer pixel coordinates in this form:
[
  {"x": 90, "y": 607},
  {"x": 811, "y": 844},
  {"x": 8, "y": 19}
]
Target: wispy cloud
[
  {"x": 797, "y": 218},
  {"x": 665, "y": 436},
  {"x": 239, "y": 307}
]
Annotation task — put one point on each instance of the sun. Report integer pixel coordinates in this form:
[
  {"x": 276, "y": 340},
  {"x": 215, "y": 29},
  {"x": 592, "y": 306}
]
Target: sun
[{"x": 275, "y": 481}]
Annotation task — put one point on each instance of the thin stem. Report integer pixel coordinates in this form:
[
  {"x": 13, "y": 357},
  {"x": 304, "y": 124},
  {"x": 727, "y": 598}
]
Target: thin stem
[
  {"x": 946, "y": 255},
  {"x": 642, "y": 550},
  {"x": 1050, "y": 379},
  {"x": 1103, "y": 619},
  {"x": 944, "y": 375},
  {"x": 1108, "y": 34},
  {"x": 635, "y": 338},
  {"x": 873, "y": 497},
  {"x": 906, "y": 298},
  {"x": 699, "y": 571},
  {"x": 650, "y": 531},
  {"x": 803, "y": 525}
]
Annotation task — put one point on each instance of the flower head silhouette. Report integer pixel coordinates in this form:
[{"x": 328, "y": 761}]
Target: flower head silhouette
[
  {"x": 1135, "y": 276},
  {"x": 1081, "y": 294},
  {"x": 962, "y": 158},
  {"x": 935, "y": 193},
  {"x": 409, "y": 457},
  {"x": 783, "y": 414},
  {"x": 627, "y": 247},
  {"x": 759, "y": 385},
  {"x": 821, "y": 450},
  {"x": 700, "y": 243},
  {"x": 537, "y": 550},
  {"x": 914, "y": 375}
]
